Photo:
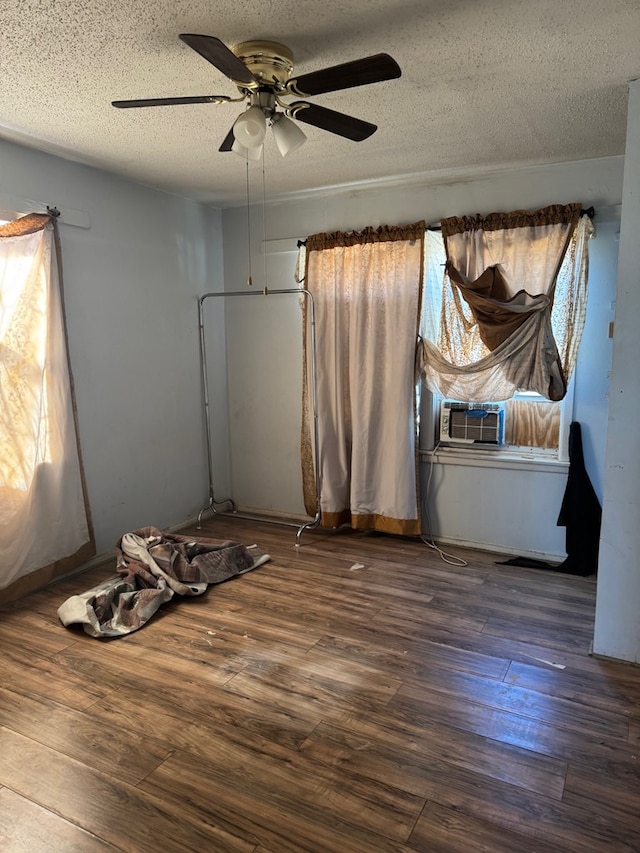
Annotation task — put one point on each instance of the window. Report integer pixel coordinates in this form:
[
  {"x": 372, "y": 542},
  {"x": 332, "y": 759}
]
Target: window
[
  {"x": 42, "y": 506},
  {"x": 24, "y": 426},
  {"x": 533, "y": 421},
  {"x": 535, "y": 428}
]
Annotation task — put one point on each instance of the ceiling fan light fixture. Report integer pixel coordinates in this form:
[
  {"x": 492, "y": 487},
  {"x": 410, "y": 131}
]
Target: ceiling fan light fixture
[
  {"x": 247, "y": 153},
  {"x": 262, "y": 72},
  {"x": 250, "y": 127},
  {"x": 287, "y": 134}
]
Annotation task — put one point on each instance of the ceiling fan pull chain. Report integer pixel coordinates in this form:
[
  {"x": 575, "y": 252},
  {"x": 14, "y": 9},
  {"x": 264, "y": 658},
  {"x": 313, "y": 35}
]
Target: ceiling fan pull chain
[
  {"x": 264, "y": 225},
  {"x": 249, "y": 279}
]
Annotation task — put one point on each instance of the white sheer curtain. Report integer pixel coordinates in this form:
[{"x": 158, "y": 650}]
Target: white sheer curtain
[
  {"x": 506, "y": 303},
  {"x": 42, "y": 509},
  {"x": 366, "y": 288}
]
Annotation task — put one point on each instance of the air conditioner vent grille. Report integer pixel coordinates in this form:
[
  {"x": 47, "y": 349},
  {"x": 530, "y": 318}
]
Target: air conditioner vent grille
[
  {"x": 469, "y": 424},
  {"x": 483, "y": 427}
]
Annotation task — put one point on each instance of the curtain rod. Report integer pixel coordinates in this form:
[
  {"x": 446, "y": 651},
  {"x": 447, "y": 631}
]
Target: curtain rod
[{"x": 586, "y": 211}]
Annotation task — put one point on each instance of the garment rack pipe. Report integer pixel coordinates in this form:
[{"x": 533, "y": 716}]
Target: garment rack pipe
[{"x": 213, "y": 503}]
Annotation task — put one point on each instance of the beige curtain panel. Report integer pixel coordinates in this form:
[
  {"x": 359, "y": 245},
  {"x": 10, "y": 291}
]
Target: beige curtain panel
[
  {"x": 512, "y": 306},
  {"x": 366, "y": 288},
  {"x": 42, "y": 509}
]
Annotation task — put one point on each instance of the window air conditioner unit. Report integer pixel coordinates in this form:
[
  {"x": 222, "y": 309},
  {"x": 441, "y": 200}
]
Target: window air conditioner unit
[{"x": 472, "y": 424}]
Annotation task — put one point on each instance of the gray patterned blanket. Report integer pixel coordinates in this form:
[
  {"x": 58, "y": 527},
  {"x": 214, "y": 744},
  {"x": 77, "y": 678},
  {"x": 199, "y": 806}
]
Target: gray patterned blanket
[{"x": 153, "y": 567}]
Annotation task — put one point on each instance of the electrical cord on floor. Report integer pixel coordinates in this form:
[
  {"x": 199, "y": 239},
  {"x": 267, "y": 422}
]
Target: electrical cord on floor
[{"x": 450, "y": 559}]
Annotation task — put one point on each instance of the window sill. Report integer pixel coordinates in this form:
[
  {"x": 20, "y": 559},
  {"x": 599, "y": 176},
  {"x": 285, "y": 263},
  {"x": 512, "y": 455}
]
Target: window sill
[{"x": 513, "y": 460}]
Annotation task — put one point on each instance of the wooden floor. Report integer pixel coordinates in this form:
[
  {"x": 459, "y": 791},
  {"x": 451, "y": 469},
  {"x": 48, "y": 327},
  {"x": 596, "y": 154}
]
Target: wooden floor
[{"x": 312, "y": 705}]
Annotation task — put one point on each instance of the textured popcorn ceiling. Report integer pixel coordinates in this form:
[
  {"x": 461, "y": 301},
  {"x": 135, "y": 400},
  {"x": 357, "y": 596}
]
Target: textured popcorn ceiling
[{"x": 485, "y": 83}]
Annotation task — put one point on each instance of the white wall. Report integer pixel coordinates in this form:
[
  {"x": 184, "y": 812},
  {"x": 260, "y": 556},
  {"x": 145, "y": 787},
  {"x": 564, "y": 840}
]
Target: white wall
[
  {"x": 265, "y": 386},
  {"x": 213, "y": 317},
  {"x": 131, "y": 285},
  {"x": 264, "y": 345},
  {"x": 591, "y": 398},
  {"x": 525, "y": 524},
  {"x": 510, "y": 510},
  {"x": 617, "y": 629}
]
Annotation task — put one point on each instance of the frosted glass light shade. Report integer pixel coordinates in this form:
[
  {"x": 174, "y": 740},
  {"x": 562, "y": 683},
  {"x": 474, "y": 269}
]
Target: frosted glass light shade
[
  {"x": 287, "y": 134},
  {"x": 250, "y": 128},
  {"x": 247, "y": 153}
]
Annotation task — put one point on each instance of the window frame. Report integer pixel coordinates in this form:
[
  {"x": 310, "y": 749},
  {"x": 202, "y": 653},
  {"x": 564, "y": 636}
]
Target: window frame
[{"x": 428, "y": 417}]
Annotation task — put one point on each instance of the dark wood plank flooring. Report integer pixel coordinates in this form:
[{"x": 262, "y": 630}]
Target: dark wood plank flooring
[{"x": 316, "y": 706}]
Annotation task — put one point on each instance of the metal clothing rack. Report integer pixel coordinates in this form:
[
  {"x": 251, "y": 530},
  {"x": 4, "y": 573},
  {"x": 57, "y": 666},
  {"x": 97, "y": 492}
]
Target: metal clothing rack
[{"x": 213, "y": 504}]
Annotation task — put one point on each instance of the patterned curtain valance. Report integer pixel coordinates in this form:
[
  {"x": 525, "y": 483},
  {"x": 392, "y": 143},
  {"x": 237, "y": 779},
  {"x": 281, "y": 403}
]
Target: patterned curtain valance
[
  {"x": 383, "y": 234},
  {"x": 29, "y": 224}
]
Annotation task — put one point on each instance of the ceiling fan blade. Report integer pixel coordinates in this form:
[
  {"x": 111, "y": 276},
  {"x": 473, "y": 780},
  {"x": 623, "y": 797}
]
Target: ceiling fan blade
[
  {"x": 360, "y": 72},
  {"x": 165, "y": 102},
  {"x": 227, "y": 142},
  {"x": 218, "y": 54},
  {"x": 334, "y": 122}
]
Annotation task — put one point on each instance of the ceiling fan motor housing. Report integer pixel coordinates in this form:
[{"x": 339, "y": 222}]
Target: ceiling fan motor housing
[{"x": 270, "y": 62}]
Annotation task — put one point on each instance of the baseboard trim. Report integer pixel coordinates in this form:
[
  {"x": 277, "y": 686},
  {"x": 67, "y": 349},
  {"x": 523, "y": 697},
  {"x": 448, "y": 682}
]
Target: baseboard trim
[
  {"x": 97, "y": 560},
  {"x": 47, "y": 575},
  {"x": 108, "y": 555},
  {"x": 498, "y": 549},
  {"x": 105, "y": 556},
  {"x": 266, "y": 515},
  {"x": 180, "y": 525}
]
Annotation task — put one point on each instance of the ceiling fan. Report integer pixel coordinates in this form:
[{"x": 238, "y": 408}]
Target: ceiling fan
[{"x": 262, "y": 71}]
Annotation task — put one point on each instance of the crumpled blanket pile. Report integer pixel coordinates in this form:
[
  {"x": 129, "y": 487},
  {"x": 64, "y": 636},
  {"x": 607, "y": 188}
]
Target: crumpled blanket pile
[{"x": 152, "y": 568}]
